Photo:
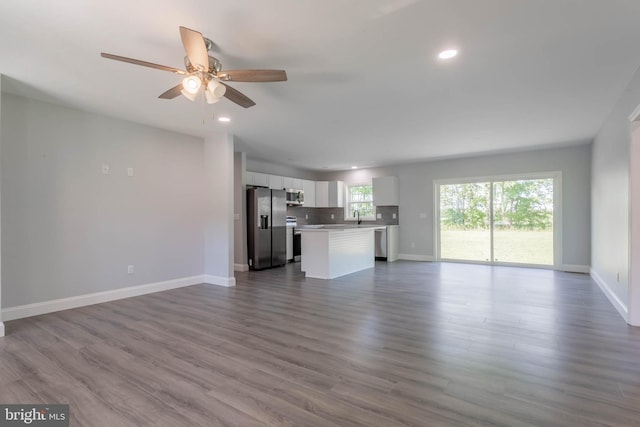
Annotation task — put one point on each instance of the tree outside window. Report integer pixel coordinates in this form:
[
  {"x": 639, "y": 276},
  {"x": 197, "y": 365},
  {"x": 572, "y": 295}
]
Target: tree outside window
[{"x": 360, "y": 199}]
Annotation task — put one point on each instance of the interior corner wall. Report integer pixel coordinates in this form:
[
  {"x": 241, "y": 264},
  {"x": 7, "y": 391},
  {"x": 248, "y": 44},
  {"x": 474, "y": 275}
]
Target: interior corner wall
[
  {"x": 219, "y": 230},
  {"x": 73, "y": 219},
  {"x": 610, "y": 202},
  {"x": 240, "y": 213}
]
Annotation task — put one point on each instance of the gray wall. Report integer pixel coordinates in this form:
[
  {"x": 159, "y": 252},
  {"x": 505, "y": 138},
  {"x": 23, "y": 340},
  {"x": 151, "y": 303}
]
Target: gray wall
[
  {"x": 69, "y": 230},
  {"x": 417, "y": 198},
  {"x": 610, "y": 197}
]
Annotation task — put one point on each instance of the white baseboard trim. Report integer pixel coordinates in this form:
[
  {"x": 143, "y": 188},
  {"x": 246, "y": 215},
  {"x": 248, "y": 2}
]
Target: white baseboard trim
[
  {"x": 570, "y": 268},
  {"x": 240, "y": 267},
  {"x": 220, "y": 281},
  {"x": 1, "y": 329},
  {"x": 413, "y": 257},
  {"x": 36, "y": 309},
  {"x": 611, "y": 296}
]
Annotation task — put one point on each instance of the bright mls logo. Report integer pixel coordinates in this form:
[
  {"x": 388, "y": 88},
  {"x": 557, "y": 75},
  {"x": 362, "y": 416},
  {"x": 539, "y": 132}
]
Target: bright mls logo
[{"x": 34, "y": 415}]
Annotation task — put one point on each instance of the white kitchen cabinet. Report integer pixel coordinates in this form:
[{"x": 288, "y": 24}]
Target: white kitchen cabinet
[
  {"x": 322, "y": 194},
  {"x": 257, "y": 179},
  {"x": 336, "y": 194},
  {"x": 385, "y": 191},
  {"x": 275, "y": 182},
  {"x": 329, "y": 194},
  {"x": 287, "y": 183},
  {"x": 309, "y": 188},
  {"x": 292, "y": 183}
]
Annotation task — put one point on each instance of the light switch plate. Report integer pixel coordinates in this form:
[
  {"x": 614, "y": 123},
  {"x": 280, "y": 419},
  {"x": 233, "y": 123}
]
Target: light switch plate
[
  {"x": 129, "y": 171},
  {"x": 394, "y": 216},
  {"x": 379, "y": 215}
]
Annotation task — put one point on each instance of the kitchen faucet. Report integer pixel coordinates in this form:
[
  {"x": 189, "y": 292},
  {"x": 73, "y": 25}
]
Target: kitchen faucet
[{"x": 356, "y": 212}]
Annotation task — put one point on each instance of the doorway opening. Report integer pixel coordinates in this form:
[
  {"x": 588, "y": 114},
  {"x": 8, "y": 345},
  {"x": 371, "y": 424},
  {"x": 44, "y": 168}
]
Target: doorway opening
[{"x": 510, "y": 220}]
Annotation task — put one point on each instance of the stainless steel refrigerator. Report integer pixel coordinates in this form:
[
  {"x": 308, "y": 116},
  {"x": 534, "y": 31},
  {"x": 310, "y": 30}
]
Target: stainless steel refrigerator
[{"x": 266, "y": 228}]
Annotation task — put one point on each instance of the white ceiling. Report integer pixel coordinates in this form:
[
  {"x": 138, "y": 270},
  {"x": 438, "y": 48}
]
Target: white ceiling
[{"x": 365, "y": 86}]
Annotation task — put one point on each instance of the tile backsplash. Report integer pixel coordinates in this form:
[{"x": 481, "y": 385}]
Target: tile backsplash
[{"x": 323, "y": 215}]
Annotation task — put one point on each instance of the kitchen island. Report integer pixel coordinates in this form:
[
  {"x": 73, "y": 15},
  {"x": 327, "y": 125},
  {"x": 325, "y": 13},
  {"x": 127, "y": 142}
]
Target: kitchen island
[{"x": 330, "y": 251}]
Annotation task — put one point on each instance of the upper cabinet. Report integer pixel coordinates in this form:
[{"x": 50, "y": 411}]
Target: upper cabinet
[
  {"x": 385, "y": 191},
  {"x": 292, "y": 183},
  {"x": 324, "y": 194},
  {"x": 329, "y": 194},
  {"x": 309, "y": 188},
  {"x": 257, "y": 179},
  {"x": 275, "y": 182}
]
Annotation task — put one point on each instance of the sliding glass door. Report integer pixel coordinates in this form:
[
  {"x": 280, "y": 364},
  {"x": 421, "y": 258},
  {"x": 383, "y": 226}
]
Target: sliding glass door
[
  {"x": 465, "y": 221},
  {"x": 497, "y": 221}
]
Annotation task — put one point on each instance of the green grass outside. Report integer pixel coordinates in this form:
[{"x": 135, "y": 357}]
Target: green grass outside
[{"x": 524, "y": 247}]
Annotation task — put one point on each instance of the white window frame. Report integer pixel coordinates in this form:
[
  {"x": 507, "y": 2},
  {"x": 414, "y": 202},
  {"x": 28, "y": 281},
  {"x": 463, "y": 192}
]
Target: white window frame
[
  {"x": 347, "y": 202},
  {"x": 557, "y": 215}
]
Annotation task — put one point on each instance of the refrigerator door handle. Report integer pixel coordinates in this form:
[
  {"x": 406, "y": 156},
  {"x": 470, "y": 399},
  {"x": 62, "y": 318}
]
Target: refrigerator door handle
[{"x": 264, "y": 222}]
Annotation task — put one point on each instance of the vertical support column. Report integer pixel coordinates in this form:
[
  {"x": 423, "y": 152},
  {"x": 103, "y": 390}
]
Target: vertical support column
[
  {"x": 219, "y": 231},
  {"x": 633, "y": 315},
  {"x": 240, "y": 213},
  {"x": 1, "y": 324}
]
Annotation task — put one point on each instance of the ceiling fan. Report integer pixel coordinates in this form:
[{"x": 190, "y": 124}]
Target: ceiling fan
[{"x": 204, "y": 73}]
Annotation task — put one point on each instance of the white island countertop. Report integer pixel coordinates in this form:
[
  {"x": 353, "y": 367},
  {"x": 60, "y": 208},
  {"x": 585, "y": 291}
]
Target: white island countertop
[
  {"x": 333, "y": 250},
  {"x": 338, "y": 227}
]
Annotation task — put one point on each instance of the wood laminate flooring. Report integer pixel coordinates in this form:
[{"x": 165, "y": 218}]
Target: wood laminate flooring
[{"x": 407, "y": 343}]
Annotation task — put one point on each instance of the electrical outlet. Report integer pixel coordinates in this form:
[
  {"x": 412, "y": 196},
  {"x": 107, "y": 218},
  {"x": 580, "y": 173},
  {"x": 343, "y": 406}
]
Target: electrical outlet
[
  {"x": 394, "y": 215},
  {"x": 306, "y": 216},
  {"x": 130, "y": 269},
  {"x": 379, "y": 215},
  {"x": 129, "y": 171},
  {"x": 333, "y": 216},
  {"x": 105, "y": 169}
]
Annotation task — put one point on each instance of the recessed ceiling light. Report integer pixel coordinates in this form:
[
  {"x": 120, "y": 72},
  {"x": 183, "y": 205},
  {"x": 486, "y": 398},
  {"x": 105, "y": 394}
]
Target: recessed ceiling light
[
  {"x": 354, "y": 167},
  {"x": 448, "y": 54},
  {"x": 224, "y": 119}
]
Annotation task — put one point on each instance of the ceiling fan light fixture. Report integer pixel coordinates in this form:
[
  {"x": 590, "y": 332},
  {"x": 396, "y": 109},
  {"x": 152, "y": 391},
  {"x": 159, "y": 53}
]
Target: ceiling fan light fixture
[
  {"x": 210, "y": 98},
  {"x": 190, "y": 96},
  {"x": 191, "y": 84},
  {"x": 216, "y": 89}
]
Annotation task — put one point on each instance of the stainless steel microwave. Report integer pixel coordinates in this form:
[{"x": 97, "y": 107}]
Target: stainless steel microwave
[{"x": 295, "y": 197}]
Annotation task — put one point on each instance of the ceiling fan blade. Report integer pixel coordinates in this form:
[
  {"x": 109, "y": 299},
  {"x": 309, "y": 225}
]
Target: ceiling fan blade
[
  {"x": 143, "y": 63},
  {"x": 253, "y": 75},
  {"x": 172, "y": 93},
  {"x": 195, "y": 47},
  {"x": 238, "y": 97}
]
